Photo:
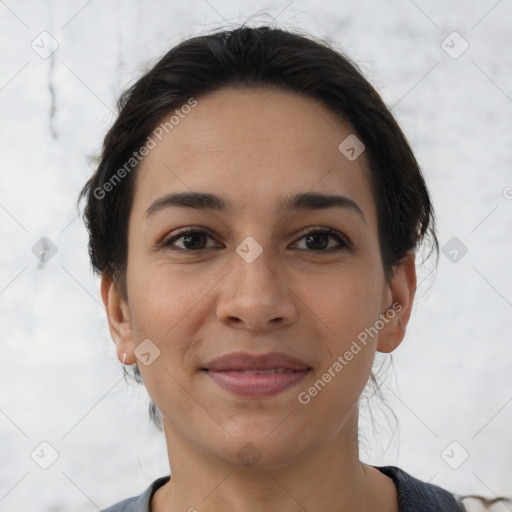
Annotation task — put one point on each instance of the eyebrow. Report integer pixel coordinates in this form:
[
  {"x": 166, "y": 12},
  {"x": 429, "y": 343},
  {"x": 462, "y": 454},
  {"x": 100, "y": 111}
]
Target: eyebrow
[{"x": 207, "y": 201}]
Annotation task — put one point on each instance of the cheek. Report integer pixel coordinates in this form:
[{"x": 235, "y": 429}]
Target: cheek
[
  {"x": 160, "y": 297},
  {"x": 344, "y": 302},
  {"x": 345, "y": 306},
  {"x": 168, "y": 306},
  {"x": 164, "y": 308},
  {"x": 345, "y": 314}
]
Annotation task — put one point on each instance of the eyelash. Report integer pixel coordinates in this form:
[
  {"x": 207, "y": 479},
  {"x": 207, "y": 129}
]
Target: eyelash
[{"x": 344, "y": 243}]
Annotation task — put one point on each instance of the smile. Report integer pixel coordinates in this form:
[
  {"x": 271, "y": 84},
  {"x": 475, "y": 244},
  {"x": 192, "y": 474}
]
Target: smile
[{"x": 257, "y": 383}]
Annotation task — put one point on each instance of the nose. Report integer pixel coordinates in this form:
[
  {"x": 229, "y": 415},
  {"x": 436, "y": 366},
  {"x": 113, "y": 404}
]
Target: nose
[{"x": 255, "y": 297}]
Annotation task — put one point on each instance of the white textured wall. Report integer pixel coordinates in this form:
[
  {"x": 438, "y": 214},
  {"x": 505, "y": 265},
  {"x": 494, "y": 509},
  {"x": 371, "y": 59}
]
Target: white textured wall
[{"x": 60, "y": 379}]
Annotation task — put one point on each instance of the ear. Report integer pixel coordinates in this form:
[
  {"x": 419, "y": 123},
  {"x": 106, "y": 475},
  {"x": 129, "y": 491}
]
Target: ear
[
  {"x": 119, "y": 320},
  {"x": 399, "y": 299}
]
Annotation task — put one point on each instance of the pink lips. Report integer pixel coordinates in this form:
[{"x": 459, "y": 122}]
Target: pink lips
[{"x": 257, "y": 375}]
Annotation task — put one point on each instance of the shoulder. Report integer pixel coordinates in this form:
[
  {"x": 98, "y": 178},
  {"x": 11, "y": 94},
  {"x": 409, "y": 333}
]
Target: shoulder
[
  {"x": 413, "y": 494},
  {"x": 139, "y": 503}
]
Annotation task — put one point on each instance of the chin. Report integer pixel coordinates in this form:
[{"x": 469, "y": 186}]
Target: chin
[{"x": 261, "y": 448}]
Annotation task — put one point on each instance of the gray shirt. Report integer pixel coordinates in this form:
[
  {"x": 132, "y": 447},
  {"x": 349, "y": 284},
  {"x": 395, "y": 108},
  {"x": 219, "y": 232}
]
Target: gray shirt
[
  {"x": 413, "y": 495},
  {"x": 139, "y": 503}
]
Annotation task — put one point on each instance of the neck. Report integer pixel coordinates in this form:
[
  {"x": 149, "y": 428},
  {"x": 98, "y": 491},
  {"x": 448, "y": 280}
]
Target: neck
[{"x": 329, "y": 476}]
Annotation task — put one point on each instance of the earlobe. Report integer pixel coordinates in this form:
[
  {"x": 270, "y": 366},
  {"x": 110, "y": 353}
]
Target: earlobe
[
  {"x": 119, "y": 321},
  {"x": 402, "y": 288}
]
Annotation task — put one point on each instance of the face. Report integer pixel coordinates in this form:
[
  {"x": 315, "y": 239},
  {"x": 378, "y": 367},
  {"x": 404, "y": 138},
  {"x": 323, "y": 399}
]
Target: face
[{"x": 280, "y": 253}]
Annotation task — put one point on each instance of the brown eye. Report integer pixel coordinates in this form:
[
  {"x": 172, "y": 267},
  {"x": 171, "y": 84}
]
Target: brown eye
[
  {"x": 191, "y": 240},
  {"x": 321, "y": 240}
]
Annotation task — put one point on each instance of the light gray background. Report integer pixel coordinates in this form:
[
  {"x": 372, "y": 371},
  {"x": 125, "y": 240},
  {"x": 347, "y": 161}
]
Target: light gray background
[{"x": 60, "y": 378}]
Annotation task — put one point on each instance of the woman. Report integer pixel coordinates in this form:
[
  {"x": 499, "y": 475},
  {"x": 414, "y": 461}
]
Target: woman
[{"x": 254, "y": 219}]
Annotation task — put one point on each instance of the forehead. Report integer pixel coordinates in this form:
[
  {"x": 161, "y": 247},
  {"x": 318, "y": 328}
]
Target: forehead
[{"x": 255, "y": 147}]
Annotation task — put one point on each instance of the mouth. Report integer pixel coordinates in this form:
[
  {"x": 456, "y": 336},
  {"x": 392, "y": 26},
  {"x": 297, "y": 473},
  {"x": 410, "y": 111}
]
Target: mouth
[{"x": 256, "y": 375}]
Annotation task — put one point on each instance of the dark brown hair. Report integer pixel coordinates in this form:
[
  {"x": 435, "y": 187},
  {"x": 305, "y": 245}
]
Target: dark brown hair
[
  {"x": 262, "y": 57},
  {"x": 256, "y": 57}
]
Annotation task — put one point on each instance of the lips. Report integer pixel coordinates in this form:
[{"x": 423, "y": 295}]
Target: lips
[
  {"x": 257, "y": 375},
  {"x": 243, "y": 361}
]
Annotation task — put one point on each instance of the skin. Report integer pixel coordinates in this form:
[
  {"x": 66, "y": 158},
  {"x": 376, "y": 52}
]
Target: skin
[{"x": 255, "y": 148}]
